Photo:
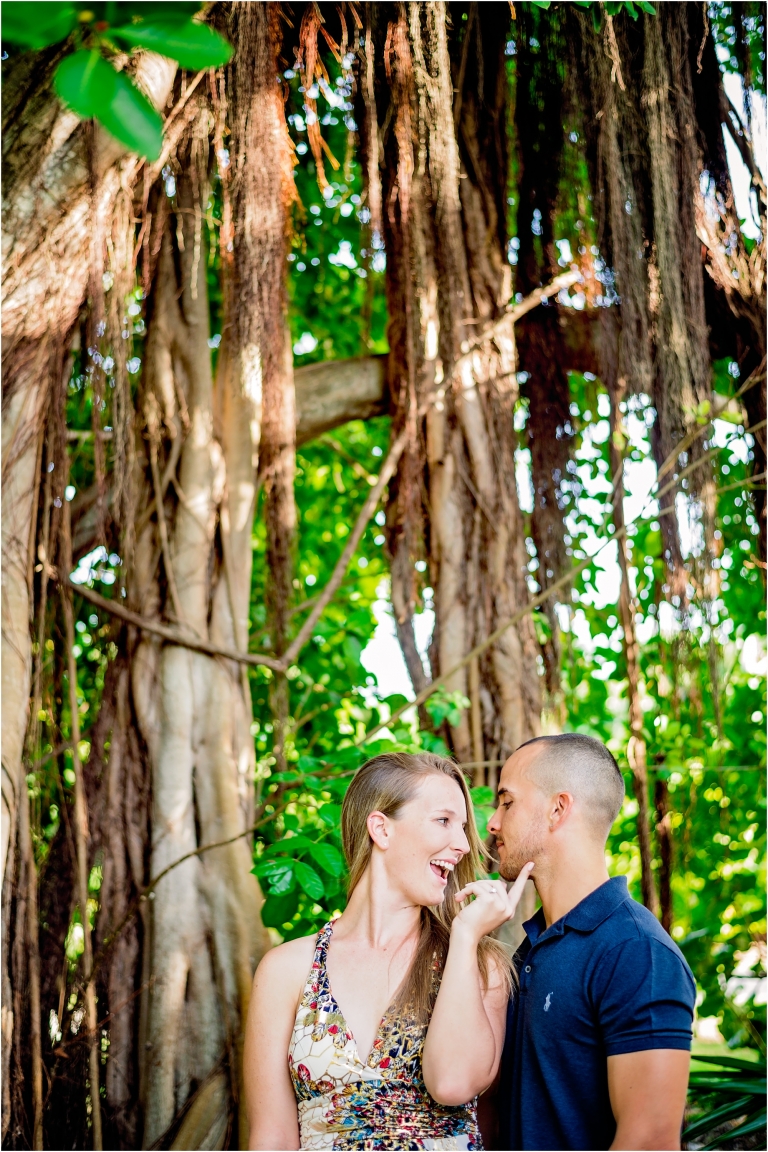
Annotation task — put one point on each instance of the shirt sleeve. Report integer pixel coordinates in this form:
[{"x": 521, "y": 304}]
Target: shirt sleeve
[{"x": 644, "y": 996}]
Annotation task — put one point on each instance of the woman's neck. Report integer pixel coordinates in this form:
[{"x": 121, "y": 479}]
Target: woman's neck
[{"x": 377, "y": 913}]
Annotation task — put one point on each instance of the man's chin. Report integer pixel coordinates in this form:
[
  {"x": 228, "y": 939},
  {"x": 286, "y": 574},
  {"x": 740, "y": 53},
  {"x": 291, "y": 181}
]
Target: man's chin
[{"x": 509, "y": 870}]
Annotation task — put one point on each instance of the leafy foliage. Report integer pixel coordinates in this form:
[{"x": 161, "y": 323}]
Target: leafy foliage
[
  {"x": 702, "y": 662},
  {"x": 726, "y": 1100},
  {"x": 87, "y": 82}
]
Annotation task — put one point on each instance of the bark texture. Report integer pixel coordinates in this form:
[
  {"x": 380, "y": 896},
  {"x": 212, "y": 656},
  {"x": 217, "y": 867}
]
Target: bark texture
[
  {"x": 205, "y": 935},
  {"x": 60, "y": 184},
  {"x": 454, "y": 499}
]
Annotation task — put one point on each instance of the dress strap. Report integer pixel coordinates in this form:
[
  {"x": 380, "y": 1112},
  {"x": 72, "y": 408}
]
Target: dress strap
[
  {"x": 322, "y": 943},
  {"x": 317, "y": 973}
]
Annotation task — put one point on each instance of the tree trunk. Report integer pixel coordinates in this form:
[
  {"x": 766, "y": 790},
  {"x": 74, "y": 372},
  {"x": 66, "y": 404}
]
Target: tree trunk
[
  {"x": 60, "y": 181},
  {"x": 454, "y": 498},
  {"x": 205, "y": 931},
  {"x": 205, "y": 936}
]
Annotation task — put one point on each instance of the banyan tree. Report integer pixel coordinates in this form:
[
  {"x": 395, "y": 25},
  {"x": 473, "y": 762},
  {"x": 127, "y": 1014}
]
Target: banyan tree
[{"x": 475, "y": 128}]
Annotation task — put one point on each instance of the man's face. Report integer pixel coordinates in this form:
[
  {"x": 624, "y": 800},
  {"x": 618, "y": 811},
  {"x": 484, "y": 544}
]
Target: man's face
[{"x": 520, "y": 820}]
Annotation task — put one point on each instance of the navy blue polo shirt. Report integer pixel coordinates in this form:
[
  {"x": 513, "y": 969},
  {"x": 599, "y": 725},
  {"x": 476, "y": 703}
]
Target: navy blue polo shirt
[{"x": 604, "y": 979}]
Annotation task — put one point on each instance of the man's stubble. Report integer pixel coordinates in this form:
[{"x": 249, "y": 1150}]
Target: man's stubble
[{"x": 520, "y": 850}]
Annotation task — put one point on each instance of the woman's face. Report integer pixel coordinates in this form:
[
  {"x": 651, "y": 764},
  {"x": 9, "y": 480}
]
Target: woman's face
[{"x": 426, "y": 840}]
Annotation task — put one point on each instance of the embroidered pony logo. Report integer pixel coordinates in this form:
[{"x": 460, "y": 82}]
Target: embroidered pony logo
[{"x": 548, "y": 1001}]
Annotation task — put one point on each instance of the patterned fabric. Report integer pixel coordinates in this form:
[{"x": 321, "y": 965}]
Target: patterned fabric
[{"x": 379, "y": 1104}]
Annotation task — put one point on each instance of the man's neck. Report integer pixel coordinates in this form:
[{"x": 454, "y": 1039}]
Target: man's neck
[{"x": 562, "y": 884}]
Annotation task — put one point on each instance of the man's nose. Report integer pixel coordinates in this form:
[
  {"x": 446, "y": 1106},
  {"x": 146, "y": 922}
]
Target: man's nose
[{"x": 494, "y": 824}]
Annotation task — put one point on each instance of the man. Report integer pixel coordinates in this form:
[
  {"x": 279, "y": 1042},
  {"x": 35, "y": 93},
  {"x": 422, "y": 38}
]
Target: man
[{"x": 599, "y": 1031}]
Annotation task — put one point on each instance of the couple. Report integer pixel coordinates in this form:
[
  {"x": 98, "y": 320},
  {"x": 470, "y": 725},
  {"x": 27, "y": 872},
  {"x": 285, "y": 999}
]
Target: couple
[{"x": 382, "y": 1031}]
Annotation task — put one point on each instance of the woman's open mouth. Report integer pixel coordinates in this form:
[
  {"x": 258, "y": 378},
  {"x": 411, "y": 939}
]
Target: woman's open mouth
[{"x": 442, "y": 868}]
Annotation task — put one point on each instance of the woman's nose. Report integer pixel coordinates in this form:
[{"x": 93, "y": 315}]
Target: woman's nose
[{"x": 461, "y": 843}]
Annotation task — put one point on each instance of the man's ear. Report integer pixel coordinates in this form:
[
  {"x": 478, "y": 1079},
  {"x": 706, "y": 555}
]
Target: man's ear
[
  {"x": 562, "y": 806},
  {"x": 378, "y": 829}
]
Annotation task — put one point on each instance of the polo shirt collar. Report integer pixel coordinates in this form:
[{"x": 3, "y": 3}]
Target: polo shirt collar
[{"x": 588, "y": 913}]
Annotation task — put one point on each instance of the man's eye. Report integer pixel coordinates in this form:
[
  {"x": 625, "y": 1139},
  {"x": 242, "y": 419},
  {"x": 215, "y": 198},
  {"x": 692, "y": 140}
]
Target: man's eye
[{"x": 508, "y": 804}]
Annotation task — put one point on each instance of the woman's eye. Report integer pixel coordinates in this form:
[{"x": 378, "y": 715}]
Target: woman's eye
[{"x": 443, "y": 819}]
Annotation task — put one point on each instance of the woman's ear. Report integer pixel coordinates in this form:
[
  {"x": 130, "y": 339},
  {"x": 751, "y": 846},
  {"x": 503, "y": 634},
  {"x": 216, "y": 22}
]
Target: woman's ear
[{"x": 378, "y": 829}]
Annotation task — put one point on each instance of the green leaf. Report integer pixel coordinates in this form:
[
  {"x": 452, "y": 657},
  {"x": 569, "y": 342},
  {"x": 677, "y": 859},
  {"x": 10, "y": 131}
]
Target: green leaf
[
  {"x": 91, "y": 87},
  {"x": 482, "y": 796},
  {"x": 124, "y": 10},
  {"x": 278, "y": 873},
  {"x": 715, "y": 1084},
  {"x": 278, "y": 910},
  {"x": 132, "y": 120},
  {"x": 732, "y": 1062},
  {"x": 85, "y": 82},
  {"x": 191, "y": 44},
  {"x": 328, "y": 857},
  {"x": 37, "y": 25},
  {"x": 292, "y": 845},
  {"x": 718, "y": 1116},
  {"x": 646, "y": 7},
  {"x": 330, "y": 814},
  {"x": 752, "y": 1125},
  {"x": 282, "y": 882},
  {"x": 309, "y": 880}
]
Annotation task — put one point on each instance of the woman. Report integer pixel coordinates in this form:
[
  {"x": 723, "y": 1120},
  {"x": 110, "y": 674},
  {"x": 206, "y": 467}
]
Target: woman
[{"x": 381, "y": 1031}]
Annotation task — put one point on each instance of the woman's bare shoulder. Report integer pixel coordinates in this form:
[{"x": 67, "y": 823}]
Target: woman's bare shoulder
[{"x": 288, "y": 964}]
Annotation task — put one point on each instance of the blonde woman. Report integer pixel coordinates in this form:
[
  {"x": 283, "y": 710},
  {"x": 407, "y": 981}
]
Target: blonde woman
[{"x": 381, "y": 1031}]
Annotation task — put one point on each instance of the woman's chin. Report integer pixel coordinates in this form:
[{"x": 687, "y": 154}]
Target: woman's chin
[{"x": 433, "y": 898}]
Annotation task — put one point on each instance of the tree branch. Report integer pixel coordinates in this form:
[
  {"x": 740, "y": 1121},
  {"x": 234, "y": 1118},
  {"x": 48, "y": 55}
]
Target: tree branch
[
  {"x": 174, "y": 635},
  {"x": 387, "y": 470},
  {"x": 515, "y": 312}
]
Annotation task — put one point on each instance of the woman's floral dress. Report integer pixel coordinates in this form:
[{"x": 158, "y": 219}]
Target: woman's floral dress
[{"x": 382, "y": 1103}]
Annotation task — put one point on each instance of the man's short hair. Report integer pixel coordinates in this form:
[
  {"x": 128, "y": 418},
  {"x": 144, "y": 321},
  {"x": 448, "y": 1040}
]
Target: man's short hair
[{"x": 583, "y": 766}]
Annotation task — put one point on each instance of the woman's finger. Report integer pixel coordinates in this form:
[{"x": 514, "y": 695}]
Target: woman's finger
[
  {"x": 481, "y": 888},
  {"x": 516, "y": 891}
]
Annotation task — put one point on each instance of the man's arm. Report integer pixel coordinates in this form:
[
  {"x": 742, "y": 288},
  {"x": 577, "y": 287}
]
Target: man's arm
[{"x": 647, "y": 1091}]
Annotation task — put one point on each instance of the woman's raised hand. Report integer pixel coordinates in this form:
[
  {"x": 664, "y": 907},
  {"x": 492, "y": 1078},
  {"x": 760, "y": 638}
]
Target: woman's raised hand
[{"x": 493, "y": 904}]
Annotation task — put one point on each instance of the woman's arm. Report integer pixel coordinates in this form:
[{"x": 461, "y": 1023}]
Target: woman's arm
[
  {"x": 465, "y": 1038},
  {"x": 269, "y": 1097}
]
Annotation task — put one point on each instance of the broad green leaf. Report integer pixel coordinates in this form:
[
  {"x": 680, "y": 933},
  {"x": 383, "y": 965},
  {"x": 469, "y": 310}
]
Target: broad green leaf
[
  {"x": 482, "y": 796},
  {"x": 278, "y": 873},
  {"x": 37, "y": 25},
  {"x": 91, "y": 87},
  {"x": 328, "y": 857},
  {"x": 330, "y": 814},
  {"x": 293, "y": 845},
  {"x": 282, "y": 883},
  {"x": 191, "y": 44},
  {"x": 132, "y": 120},
  {"x": 85, "y": 82},
  {"x": 278, "y": 910},
  {"x": 309, "y": 880},
  {"x": 125, "y": 10}
]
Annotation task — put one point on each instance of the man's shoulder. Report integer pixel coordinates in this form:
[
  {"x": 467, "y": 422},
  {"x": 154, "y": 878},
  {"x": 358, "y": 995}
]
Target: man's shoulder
[{"x": 632, "y": 924}]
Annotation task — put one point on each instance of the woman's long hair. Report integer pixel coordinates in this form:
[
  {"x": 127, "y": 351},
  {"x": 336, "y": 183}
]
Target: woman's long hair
[{"x": 384, "y": 784}]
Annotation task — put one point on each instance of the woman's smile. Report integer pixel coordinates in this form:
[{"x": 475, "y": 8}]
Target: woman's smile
[{"x": 442, "y": 867}]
